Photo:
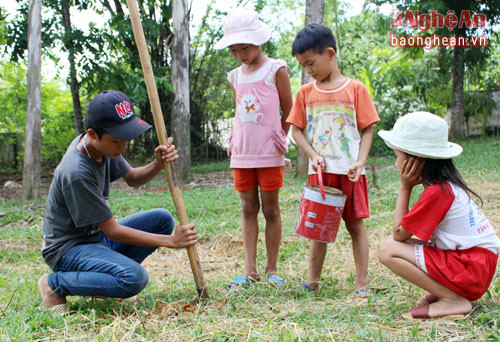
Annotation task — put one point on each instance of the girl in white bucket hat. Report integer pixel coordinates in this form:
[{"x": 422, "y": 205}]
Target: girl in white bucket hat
[
  {"x": 257, "y": 145},
  {"x": 455, "y": 256}
]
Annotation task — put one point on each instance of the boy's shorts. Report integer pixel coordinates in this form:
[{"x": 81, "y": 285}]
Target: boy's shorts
[
  {"x": 356, "y": 203},
  {"x": 267, "y": 178}
]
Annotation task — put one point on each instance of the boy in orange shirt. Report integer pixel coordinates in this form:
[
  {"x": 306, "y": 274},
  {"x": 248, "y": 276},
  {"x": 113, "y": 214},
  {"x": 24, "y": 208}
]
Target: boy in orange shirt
[{"x": 332, "y": 120}]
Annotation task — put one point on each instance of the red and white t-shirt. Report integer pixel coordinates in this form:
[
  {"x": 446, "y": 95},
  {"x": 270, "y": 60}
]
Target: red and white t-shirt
[{"x": 449, "y": 219}]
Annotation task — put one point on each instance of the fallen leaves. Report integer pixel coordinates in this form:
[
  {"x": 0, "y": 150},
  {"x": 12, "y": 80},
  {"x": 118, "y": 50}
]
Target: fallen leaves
[{"x": 178, "y": 309}]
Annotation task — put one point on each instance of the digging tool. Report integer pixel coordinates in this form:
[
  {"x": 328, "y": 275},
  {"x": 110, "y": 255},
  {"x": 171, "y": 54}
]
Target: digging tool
[{"x": 162, "y": 137}]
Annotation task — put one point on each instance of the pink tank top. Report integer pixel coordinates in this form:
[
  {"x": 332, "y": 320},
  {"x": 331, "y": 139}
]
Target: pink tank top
[{"x": 257, "y": 137}]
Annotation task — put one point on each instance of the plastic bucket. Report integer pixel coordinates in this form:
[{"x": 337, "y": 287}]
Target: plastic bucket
[{"x": 320, "y": 211}]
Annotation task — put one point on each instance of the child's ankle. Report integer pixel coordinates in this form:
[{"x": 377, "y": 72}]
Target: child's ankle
[
  {"x": 360, "y": 284},
  {"x": 49, "y": 297},
  {"x": 271, "y": 270},
  {"x": 313, "y": 285},
  {"x": 253, "y": 275}
]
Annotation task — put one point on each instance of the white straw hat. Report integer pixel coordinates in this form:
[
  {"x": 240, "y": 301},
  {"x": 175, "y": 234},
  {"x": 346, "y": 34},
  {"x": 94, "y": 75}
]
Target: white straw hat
[
  {"x": 421, "y": 134},
  {"x": 242, "y": 26}
]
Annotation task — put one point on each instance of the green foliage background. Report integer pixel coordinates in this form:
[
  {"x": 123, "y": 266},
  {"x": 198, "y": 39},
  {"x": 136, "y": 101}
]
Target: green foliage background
[
  {"x": 57, "y": 112},
  {"x": 400, "y": 80}
]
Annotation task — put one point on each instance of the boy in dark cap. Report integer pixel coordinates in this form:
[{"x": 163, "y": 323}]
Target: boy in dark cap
[{"x": 91, "y": 253}]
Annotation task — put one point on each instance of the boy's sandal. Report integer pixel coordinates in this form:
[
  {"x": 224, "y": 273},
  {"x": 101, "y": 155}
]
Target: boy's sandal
[
  {"x": 422, "y": 312},
  {"x": 363, "y": 292},
  {"x": 243, "y": 281},
  {"x": 275, "y": 280},
  {"x": 303, "y": 287}
]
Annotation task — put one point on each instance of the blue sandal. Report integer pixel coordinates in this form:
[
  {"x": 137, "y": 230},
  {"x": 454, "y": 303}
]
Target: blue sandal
[
  {"x": 243, "y": 281},
  {"x": 303, "y": 287},
  {"x": 363, "y": 292},
  {"x": 275, "y": 280}
]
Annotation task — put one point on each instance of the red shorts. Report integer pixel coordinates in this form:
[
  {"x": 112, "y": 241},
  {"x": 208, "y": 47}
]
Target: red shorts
[
  {"x": 467, "y": 272},
  {"x": 356, "y": 203},
  {"x": 267, "y": 178}
]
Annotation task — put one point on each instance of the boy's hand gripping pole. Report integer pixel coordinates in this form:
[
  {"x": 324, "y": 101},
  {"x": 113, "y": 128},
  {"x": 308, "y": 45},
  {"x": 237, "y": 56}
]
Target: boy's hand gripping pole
[{"x": 162, "y": 137}]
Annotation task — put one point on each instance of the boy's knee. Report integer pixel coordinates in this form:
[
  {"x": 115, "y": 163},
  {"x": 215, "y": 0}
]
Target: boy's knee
[
  {"x": 140, "y": 282},
  {"x": 271, "y": 212},
  {"x": 136, "y": 280},
  {"x": 356, "y": 227},
  {"x": 166, "y": 221}
]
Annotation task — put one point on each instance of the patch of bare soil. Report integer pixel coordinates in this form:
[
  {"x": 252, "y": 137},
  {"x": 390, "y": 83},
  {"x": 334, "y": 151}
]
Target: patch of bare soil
[
  {"x": 219, "y": 254},
  {"x": 210, "y": 180},
  {"x": 11, "y": 185}
]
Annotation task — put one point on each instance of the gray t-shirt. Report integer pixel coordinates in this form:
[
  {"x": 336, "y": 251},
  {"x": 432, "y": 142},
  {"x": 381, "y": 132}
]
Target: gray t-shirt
[{"x": 78, "y": 201}]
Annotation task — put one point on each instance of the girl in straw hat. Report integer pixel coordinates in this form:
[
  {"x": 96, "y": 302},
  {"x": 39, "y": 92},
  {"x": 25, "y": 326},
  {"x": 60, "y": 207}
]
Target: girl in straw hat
[
  {"x": 455, "y": 258},
  {"x": 257, "y": 145}
]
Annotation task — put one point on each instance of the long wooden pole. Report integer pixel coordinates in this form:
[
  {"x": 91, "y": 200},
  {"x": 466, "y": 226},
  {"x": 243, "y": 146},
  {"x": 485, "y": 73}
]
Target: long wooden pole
[{"x": 161, "y": 131}]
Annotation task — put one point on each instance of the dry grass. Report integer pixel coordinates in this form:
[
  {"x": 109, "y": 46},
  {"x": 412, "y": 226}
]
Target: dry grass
[
  {"x": 228, "y": 315},
  {"x": 170, "y": 310}
]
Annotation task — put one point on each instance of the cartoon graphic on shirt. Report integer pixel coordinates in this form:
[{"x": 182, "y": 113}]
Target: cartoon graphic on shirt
[
  {"x": 344, "y": 144},
  {"x": 341, "y": 122},
  {"x": 326, "y": 138},
  {"x": 328, "y": 130},
  {"x": 312, "y": 122},
  {"x": 248, "y": 107}
]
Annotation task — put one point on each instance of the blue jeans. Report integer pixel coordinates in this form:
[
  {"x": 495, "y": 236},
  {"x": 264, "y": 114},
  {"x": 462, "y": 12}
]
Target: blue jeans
[{"x": 110, "y": 268}]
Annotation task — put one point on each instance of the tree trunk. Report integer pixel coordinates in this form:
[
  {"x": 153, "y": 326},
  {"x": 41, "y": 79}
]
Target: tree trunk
[
  {"x": 336, "y": 5},
  {"x": 74, "y": 85},
  {"x": 315, "y": 10},
  {"x": 33, "y": 136},
  {"x": 181, "y": 115},
  {"x": 457, "y": 119}
]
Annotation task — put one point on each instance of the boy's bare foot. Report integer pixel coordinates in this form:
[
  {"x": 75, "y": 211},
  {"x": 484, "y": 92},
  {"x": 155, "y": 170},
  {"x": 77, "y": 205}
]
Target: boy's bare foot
[{"x": 49, "y": 297}]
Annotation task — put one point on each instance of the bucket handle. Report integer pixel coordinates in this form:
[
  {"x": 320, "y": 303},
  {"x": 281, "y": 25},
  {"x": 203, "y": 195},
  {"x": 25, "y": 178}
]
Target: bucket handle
[{"x": 320, "y": 180}]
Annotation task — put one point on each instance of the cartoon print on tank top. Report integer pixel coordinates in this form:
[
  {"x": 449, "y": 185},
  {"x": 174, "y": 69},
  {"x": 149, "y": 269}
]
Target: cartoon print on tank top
[{"x": 248, "y": 107}]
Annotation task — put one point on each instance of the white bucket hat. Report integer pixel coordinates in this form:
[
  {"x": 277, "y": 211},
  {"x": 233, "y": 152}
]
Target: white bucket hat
[
  {"x": 242, "y": 26},
  {"x": 421, "y": 134}
]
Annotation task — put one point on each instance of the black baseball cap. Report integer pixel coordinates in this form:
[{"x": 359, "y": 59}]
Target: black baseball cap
[{"x": 113, "y": 111}]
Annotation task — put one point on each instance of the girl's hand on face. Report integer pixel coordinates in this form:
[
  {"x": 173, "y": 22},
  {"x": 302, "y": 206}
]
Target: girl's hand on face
[{"x": 411, "y": 172}]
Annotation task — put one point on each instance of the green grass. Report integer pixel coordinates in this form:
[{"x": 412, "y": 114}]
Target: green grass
[
  {"x": 260, "y": 313},
  {"x": 211, "y": 167}
]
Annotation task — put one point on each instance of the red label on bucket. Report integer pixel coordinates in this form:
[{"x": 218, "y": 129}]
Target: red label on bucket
[{"x": 319, "y": 219}]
